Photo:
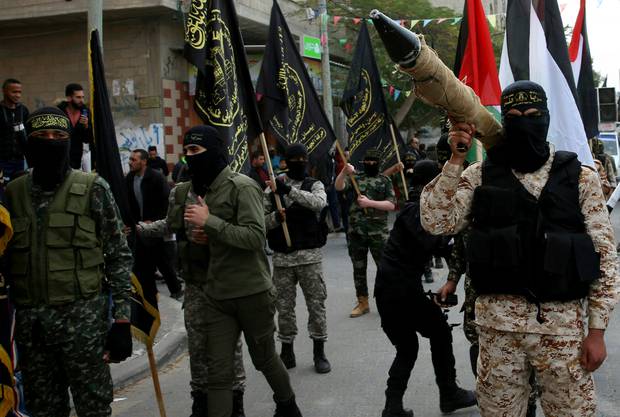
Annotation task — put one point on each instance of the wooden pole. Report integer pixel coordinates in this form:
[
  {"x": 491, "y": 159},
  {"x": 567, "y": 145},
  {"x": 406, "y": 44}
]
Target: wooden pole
[
  {"x": 351, "y": 176},
  {"x": 272, "y": 176},
  {"x": 402, "y": 173},
  {"x": 153, "y": 366}
]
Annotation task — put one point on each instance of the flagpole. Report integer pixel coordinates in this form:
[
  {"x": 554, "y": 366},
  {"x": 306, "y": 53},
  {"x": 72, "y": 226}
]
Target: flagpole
[
  {"x": 272, "y": 177},
  {"x": 153, "y": 366},
  {"x": 402, "y": 174},
  {"x": 351, "y": 176}
]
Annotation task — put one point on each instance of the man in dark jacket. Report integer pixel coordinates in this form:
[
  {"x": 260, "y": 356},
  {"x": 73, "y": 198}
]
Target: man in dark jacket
[
  {"x": 13, "y": 116},
  {"x": 148, "y": 198},
  {"x": 405, "y": 310},
  {"x": 156, "y": 162},
  {"x": 257, "y": 170},
  {"x": 81, "y": 127}
]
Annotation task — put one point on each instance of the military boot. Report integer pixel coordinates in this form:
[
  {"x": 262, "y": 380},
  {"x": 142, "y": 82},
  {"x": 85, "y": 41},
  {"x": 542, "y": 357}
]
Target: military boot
[
  {"x": 237, "y": 410},
  {"x": 321, "y": 364},
  {"x": 287, "y": 408},
  {"x": 361, "y": 308},
  {"x": 394, "y": 406},
  {"x": 453, "y": 397},
  {"x": 199, "y": 404},
  {"x": 287, "y": 355}
]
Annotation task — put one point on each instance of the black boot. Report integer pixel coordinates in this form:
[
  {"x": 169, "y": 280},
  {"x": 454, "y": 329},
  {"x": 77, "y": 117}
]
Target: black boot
[
  {"x": 237, "y": 410},
  {"x": 321, "y": 364},
  {"x": 199, "y": 404},
  {"x": 287, "y": 408},
  {"x": 394, "y": 406},
  {"x": 453, "y": 398},
  {"x": 287, "y": 355}
]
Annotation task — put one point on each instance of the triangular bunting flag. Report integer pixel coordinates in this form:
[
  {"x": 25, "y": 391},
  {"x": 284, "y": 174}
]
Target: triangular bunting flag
[
  {"x": 456, "y": 20},
  {"x": 413, "y": 23},
  {"x": 356, "y": 20},
  {"x": 426, "y": 22},
  {"x": 337, "y": 19},
  {"x": 492, "y": 20}
]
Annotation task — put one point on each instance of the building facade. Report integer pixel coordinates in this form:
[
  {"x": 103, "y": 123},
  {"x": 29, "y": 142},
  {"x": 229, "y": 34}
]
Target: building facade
[{"x": 43, "y": 43}]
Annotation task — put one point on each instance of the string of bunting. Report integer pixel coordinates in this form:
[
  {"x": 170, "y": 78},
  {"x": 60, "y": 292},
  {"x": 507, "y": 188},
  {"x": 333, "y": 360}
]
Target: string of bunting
[{"x": 408, "y": 23}]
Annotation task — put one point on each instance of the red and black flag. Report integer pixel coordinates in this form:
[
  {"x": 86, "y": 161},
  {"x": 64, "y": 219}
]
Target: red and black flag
[
  {"x": 368, "y": 121},
  {"x": 289, "y": 106},
  {"x": 581, "y": 62},
  {"x": 475, "y": 63},
  {"x": 144, "y": 312},
  {"x": 535, "y": 49},
  {"x": 225, "y": 96}
]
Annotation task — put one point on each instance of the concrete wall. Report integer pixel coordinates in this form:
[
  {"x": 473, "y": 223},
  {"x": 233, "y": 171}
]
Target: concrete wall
[{"x": 46, "y": 60}]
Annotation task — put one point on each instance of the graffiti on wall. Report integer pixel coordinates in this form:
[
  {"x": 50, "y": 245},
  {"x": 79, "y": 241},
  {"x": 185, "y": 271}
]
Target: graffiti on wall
[{"x": 140, "y": 137}]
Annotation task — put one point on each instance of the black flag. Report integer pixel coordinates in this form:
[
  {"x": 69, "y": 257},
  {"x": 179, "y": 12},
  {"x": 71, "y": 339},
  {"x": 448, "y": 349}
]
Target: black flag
[
  {"x": 289, "y": 105},
  {"x": 224, "y": 92},
  {"x": 144, "y": 312},
  {"x": 368, "y": 122}
]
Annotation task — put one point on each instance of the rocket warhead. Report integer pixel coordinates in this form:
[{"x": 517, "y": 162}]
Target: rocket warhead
[{"x": 402, "y": 45}]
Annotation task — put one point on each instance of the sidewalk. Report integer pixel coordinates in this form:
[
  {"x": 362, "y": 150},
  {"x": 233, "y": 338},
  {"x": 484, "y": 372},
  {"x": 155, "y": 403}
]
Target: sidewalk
[{"x": 170, "y": 342}]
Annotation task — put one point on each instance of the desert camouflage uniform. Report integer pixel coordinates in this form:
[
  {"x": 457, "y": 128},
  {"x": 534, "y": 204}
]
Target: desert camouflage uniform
[
  {"x": 509, "y": 322},
  {"x": 61, "y": 346},
  {"x": 367, "y": 230},
  {"x": 194, "y": 308},
  {"x": 302, "y": 266}
]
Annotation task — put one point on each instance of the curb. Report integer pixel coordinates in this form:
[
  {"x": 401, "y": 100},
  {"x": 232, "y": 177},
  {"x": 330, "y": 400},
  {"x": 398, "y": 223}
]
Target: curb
[{"x": 169, "y": 347}]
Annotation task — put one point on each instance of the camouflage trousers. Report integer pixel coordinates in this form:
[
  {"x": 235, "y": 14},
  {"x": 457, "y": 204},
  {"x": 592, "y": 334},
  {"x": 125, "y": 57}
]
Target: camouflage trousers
[
  {"x": 471, "y": 334},
  {"x": 310, "y": 279},
  {"x": 359, "y": 245},
  {"x": 195, "y": 322},
  {"x": 505, "y": 364},
  {"x": 61, "y": 348}
]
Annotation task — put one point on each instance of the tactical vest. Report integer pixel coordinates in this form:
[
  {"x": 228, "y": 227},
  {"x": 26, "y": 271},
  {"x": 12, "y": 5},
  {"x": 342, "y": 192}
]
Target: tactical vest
[
  {"x": 194, "y": 258},
  {"x": 307, "y": 232},
  {"x": 535, "y": 248},
  {"x": 68, "y": 264}
]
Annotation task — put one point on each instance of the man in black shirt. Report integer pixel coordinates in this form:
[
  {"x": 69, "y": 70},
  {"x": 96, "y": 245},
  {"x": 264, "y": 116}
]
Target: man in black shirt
[
  {"x": 81, "y": 127},
  {"x": 405, "y": 309},
  {"x": 157, "y": 163},
  {"x": 12, "y": 132}
]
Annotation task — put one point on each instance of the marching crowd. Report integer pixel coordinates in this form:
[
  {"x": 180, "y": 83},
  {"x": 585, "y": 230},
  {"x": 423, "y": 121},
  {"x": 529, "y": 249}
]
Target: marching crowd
[{"x": 528, "y": 228}]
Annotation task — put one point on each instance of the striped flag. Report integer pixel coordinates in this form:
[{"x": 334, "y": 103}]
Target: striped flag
[
  {"x": 475, "y": 64},
  {"x": 581, "y": 62},
  {"x": 535, "y": 49}
]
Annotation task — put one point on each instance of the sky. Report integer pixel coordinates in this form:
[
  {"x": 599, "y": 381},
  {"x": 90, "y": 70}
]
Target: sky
[{"x": 603, "y": 23}]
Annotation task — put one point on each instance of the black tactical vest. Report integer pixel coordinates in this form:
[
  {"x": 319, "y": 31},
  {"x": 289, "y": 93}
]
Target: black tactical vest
[
  {"x": 306, "y": 230},
  {"x": 535, "y": 248}
]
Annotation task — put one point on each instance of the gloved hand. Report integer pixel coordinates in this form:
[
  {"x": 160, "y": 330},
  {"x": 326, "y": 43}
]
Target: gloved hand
[
  {"x": 281, "y": 216},
  {"x": 118, "y": 342},
  {"x": 281, "y": 187}
]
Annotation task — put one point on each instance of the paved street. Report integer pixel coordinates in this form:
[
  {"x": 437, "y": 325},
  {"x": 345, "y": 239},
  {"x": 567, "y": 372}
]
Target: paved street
[{"x": 360, "y": 355}]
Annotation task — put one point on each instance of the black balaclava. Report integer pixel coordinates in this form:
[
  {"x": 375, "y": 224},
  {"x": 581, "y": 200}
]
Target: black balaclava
[
  {"x": 525, "y": 147},
  {"x": 49, "y": 158},
  {"x": 296, "y": 169},
  {"x": 204, "y": 167},
  {"x": 424, "y": 172},
  {"x": 372, "y": 170}
]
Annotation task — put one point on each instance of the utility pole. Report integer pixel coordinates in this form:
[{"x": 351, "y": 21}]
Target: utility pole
[
  {"x": 95, "y": 19},
  {"x": 326, "y": 75}
]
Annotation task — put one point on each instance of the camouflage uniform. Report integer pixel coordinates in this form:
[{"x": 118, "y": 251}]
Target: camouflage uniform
[
  {"x": 367, "y": 230},
  {"x": 302, "y": 266},
  {"x": 511, "y": 339},
  {"x": 194, "y": 307},
  {"x": 61, "y": 345}
]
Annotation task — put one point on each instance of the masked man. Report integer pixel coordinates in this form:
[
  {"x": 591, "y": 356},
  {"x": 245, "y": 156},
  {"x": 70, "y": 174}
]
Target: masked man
[
  {"x": 304, "y": 200},
  {"x": 238, "y": 292},
  {"x": 368, "y": 228},
  {"x": 194, "y": 258},
  {"x": 67, "y": 253},
  {"x": 539, "y": 245},
  {"x": 405, "y": 310}
]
